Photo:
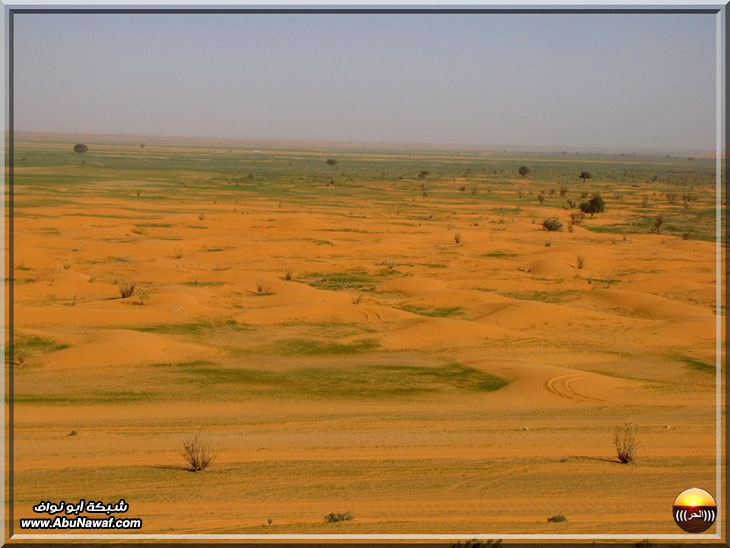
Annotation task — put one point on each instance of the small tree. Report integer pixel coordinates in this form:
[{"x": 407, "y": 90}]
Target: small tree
[
  {"x": 423, "y": 174},
  {"x": 331, "y": 162},
  {"x": 585, "y": 175},
  {"x": 524, "y": 170},
  {"x": 80, "y": 148},
  {"x": 593, "y": 206},
  {"x": 624, "y": 438}
]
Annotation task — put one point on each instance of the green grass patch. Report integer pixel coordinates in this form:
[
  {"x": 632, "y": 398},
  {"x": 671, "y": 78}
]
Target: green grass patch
[
  {"x": 197, "y": 283},
  {"x": 606, "y": 281},
  {"x": 356, "y": 382},
  {"x": 121, "y": 259},
  {"x": 442, "y": 312},
  {"x": 100, "y": 398},
  {"x": 354, "y": 230},
  {"x": 217, "y": 249},
  {"x": 313, "y": 347},
  {"x": 338, "y": 281},
  {"x": 499, "y": 254},
  {"x": 191, "y": 329},
  {"x": 27, "y": 346},
  {"x": 695, "y": 364},
  {"x": 557, "y": 296}
]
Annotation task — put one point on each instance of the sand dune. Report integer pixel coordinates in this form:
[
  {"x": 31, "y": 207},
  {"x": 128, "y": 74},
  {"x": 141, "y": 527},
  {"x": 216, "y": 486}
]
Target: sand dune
[{"x": 345, "y": 351}]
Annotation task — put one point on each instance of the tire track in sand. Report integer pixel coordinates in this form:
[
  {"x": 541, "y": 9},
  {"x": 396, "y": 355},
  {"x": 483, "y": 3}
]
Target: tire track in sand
[
  {"x": 370, "y": 315},
  {"x": 562, "y": 385}
]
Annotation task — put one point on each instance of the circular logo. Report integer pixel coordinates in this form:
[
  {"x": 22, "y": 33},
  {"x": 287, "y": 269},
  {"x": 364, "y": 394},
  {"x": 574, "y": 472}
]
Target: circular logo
[{"x": 694, "y": 510}]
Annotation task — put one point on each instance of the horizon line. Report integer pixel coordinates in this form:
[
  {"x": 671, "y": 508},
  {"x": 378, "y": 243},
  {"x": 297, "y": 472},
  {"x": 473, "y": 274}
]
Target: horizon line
[{"x": 418, "y": 145}]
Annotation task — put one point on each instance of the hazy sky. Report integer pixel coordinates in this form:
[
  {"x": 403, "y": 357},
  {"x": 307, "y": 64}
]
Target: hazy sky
[{"x": 626, "y": 81}]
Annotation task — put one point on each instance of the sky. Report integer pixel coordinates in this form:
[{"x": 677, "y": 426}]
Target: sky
[{"x": 607, "y": 81}]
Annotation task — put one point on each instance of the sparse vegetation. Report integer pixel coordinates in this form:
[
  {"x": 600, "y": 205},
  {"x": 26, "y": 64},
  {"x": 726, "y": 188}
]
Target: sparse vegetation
[
  {"x": 142, "y": 295},
  {"x": 334, "y": 517},
  {"x": 126, "y": 289},
  {"x": 409, "y": 303},
  {"x": 625, "y": 439},
  {"x": 80, "y": 148},
  {"x": 524, "y": 171},
  {"x": 552, "y": 224},
  {"x": 198, "y": 453},
  {"x": 557, "y": 518},
  {"x": 593, "y": 206},
  {"x": 657, "y": 223},
  {"x": 476, "y": 543}
]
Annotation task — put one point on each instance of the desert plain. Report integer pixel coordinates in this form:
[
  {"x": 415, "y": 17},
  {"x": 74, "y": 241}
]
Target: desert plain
[{"x": 392, "y": 334}]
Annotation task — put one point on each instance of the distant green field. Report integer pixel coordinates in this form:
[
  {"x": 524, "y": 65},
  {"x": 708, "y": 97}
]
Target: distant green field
[{"x": 298, "y": 177}]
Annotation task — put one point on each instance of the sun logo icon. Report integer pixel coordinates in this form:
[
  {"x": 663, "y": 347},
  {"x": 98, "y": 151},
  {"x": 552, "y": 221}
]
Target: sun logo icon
[{"x": 694, "y": 510}]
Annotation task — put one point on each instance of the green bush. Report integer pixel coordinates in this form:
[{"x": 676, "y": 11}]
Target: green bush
[
  {"x": 552, "y": 224},
  {"x": 594, "y": 205}
]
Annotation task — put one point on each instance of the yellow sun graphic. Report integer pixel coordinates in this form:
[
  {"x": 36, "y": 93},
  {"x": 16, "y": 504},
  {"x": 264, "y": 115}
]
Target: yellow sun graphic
[{"x": 694, "y": 497}]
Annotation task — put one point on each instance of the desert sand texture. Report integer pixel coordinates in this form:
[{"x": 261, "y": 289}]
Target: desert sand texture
[{"x": 394, "y": 335}]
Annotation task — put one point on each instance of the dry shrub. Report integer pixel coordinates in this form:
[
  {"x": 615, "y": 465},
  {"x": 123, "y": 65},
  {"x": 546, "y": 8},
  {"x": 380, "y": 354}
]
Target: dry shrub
[
  {"x": 557, "y": 518},
  {"x": 127, "y": 289},
  {"x": 457, "y": 238},
  {"x": 334, "y": 517},
  {"x": 552, "y": 224},
  {"x": 198, "y": 453},
  {"x": 581, "y": 261},
  {"x": 625, "y": 440},
  {"x": 658, "y": 222},
  {"x": 288, "y": 275}
]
